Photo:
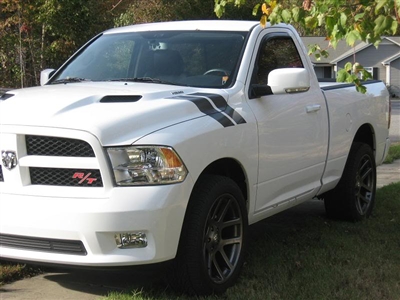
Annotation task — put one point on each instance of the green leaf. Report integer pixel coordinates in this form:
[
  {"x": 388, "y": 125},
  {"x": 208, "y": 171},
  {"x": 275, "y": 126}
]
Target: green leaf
[
  {"x": 311, "y": 22},
  {"x": 394, "y": 27},
  {"x": 348, "y": 67},
  {"x": 255, "y": 9},
  {"x": 334, "y": 42},
  {"x": 352, "y": 37},
  {"x": 377, "y": 42},
  {"x": 296, "y": 14},
  {"x": 275, "y": 18},
  {"x": 335, "y": 33},
  {"x": 219, "y": 10},
  {"x": 321, "y": 19},
  {"x": 380, "y": 4},
  {"x": 397, "y": 4},
  {"x": 330, "y": 22},
  {"x": 342, "y": 76},
  {"x": 359, "y": 16},
  {"x": 352, "y": 79},
  {"x": 286, "y": 16},
  {"x": 361, "y": 89},
  {"x": 312, "y": 49},
  {"x": 239, "y": 3},
  {"x": 365, "y": 74},
  {"x": 343, "y": 19},
  {"x": 325, "y": 53},
  {"x": 382, "y": 25},
  {"x": 323, "y": 8}
]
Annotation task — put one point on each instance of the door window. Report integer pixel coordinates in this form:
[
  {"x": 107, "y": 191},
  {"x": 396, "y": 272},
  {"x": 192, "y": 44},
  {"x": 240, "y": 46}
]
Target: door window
[{"x": 275, "y": 52}]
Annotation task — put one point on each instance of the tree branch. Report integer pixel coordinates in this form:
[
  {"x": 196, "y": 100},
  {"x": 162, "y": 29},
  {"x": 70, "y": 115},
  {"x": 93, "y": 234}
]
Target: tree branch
[{"x": 114, "y": 6}]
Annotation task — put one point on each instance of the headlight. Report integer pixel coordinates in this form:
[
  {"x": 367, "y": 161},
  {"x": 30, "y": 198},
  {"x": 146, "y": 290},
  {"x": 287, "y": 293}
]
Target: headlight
[{"x": 145, "y": 165}]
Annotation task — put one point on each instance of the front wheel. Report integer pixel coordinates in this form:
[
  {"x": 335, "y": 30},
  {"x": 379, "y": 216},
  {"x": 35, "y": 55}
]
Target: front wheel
[
  {"x": 354, "y": 196},
  {"x": 210, "y": 254}
]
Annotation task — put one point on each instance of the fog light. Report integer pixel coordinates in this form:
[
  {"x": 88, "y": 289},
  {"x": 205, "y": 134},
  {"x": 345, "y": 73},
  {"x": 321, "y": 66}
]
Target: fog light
[{"x": 128, "y": 240}]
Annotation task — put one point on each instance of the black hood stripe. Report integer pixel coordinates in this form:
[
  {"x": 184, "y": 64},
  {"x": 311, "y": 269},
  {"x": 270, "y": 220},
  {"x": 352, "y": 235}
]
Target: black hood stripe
[
  {"x": 206, "y": 108},
  {"x": 215, "y": 106},
  {"x": 218, "y": 100},
  {"x": 221, "y": 103}
]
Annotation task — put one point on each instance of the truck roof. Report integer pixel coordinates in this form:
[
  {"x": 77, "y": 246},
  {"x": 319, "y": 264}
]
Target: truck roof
[{"x": 220, "y": 25}]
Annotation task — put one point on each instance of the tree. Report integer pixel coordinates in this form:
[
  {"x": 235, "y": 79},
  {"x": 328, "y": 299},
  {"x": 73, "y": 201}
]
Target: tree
[
  {"x": 139, "y": 11},
  {"x": 352, "y": 20},
  {"x": 35, "y": 34}
]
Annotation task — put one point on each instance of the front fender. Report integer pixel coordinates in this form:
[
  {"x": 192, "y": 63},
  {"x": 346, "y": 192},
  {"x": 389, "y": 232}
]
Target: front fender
[{"x": 201, "y": 141}]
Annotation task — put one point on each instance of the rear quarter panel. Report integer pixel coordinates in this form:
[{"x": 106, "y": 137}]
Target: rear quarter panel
[{"x": 348, "y": 111}]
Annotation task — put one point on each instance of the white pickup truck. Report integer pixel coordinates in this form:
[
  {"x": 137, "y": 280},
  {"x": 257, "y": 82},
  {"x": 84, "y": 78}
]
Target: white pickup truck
[{"x": 163, "y": 142}]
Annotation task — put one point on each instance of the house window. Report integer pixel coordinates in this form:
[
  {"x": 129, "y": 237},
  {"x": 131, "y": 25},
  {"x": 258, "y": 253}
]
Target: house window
[{"x": 373, "y": 71}]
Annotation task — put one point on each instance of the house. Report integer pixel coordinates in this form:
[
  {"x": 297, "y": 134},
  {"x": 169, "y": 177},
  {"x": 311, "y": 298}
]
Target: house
[{"x": 383, "y": 62}]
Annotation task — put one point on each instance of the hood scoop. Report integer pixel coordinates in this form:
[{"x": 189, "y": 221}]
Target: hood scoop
[
  {"x": 120, "y": 98},
  {"x": 6, "y": 96}
]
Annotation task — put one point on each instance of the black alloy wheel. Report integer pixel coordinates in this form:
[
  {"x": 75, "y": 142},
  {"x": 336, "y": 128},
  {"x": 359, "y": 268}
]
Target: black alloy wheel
[
  {"x": 353, "y": 198},
  {"x": 213, "y": 239}
]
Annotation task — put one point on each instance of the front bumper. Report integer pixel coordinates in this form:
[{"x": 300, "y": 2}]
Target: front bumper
[{"x": 158, "y": 211}]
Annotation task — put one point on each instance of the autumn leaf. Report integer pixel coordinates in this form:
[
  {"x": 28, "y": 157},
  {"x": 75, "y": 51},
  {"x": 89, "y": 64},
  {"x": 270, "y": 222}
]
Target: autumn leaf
[
  {"x": 273, "y": 4},
  {"x": 264, "y": 9},
  {"x": 263, "y": 21}
]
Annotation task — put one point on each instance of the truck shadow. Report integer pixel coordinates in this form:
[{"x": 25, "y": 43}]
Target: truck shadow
[{"x": 103, "y": 282}]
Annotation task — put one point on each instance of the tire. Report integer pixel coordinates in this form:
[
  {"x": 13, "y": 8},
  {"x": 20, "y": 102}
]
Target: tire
[
  {"x": 353, "y": 198},
  {"x": 213, "y": 239}
]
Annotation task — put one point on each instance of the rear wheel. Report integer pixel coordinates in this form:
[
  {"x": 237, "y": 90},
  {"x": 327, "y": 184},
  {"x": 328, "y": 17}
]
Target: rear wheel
[
  {"x": 354, "y": 196},
  {"x": 210, "y": 254}
]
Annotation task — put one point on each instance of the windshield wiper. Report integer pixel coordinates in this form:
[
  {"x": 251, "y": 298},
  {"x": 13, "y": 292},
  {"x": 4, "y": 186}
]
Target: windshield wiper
[
  {"x": 69, "y": 80},
  {"x": 146, "y": 79}
]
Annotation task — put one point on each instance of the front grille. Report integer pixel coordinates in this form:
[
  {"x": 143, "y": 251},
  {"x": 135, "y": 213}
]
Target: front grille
[
  {"x": 55, "y": 146},
  {"x": 66, "y": 177},
  {"x": 1, "y": 174},
  {"x": 42, "y": 244}
]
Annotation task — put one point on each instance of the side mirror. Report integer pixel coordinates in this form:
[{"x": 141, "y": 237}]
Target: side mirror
[
  {"x": 289, "y": 80},
  {"x": 45, "y": 75},
  {"x": 259, "y": 90}
]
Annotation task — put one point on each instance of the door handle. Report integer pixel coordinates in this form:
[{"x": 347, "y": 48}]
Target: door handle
[{"x": 313, "y": 108}]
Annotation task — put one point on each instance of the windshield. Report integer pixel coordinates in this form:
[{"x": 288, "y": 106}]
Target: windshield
[{"x": 188, "y": 58}]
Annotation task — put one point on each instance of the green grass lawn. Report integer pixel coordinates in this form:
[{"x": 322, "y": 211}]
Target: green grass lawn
[
  {"x": 303, "y": 255},
  {"x": 394, "y": 153}
]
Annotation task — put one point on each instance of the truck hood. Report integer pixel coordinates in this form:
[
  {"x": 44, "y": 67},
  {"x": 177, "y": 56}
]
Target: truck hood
[{"x": 117, "y": 113}]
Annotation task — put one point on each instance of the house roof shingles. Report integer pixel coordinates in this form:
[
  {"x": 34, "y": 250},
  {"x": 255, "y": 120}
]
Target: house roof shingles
[{"x": 343, "y": 50}]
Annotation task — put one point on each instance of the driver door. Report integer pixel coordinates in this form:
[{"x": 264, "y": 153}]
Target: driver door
[{"x": 293, "y": 141}]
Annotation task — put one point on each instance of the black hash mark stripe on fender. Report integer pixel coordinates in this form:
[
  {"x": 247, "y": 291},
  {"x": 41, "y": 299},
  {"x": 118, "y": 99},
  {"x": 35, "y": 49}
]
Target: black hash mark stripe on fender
[
  {"x": 207, "y": 108},
  {"x": 221, "y": 103},
  {"x": 235, "y": 115}
]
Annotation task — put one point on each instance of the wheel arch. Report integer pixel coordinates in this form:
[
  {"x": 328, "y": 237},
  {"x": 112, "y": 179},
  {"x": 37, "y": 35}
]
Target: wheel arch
[
  {"x": 366, "y": 134},
  {"x": 232, "y": 169}
]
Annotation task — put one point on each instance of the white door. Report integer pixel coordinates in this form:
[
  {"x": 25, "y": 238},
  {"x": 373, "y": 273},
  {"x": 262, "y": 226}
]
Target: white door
[{"x": 293, "y": 130}]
